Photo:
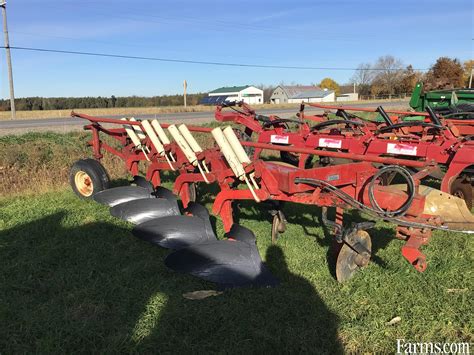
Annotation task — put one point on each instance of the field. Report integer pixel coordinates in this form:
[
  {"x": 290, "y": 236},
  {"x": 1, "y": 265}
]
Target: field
[
  {"x": 130, "y": 111},
  {"x": 74, "y": 279},
  {"x": 126, "y": 111}
]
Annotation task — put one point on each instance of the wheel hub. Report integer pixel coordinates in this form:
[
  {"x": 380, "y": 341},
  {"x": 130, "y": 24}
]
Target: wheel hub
[{"x": 84, "y": 183}]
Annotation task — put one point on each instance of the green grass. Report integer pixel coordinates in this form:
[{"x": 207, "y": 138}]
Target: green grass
[{"x": 74, "y": 279}]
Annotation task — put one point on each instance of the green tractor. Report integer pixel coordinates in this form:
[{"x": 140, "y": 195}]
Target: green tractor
[{"x": 450, "y": 103}]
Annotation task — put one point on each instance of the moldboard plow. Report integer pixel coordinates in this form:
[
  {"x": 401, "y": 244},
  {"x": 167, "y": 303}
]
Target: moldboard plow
[
  {"x": 416, "y": 210},
  {"x": 437, "y": 142}
]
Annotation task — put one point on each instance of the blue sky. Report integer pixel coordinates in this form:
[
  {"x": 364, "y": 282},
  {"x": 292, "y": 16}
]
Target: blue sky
[{"x": 328, "y": 33}]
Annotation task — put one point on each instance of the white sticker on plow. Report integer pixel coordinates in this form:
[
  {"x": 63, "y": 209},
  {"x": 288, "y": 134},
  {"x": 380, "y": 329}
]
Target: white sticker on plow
[
  {"x": 398, "y": 148},
  {"x": 275, "y": 138},
  {"x": 330, "y": 143}
]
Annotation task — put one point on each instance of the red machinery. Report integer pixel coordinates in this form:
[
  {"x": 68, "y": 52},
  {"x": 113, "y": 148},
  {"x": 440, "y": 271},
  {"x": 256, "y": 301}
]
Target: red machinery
[
  {"x": 163, "y": 155},
  {"x": 432, "y": 141},
  {"x": 354, "y": 185},
  {"x": 458, "y": 126}
]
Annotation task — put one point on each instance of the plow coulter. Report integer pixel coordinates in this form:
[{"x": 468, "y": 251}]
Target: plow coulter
[{"x": 234, "y": 261}]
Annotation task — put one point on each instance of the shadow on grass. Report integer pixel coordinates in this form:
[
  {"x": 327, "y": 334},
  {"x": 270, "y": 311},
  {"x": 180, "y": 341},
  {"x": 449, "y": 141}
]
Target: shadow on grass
[
  {"x": 95, "y": 288},
  {"x": 289, "y": 318}
]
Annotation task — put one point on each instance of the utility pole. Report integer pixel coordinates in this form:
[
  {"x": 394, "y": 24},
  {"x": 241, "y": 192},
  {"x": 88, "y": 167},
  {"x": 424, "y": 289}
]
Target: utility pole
[
  {"x": 470, "y": 78},
  {"x": 9, "y": 59},
  {"x": 185, "y": 85}
]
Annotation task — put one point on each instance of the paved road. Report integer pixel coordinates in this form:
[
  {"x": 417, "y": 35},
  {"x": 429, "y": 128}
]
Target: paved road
[{"x": 69, "y": 123}]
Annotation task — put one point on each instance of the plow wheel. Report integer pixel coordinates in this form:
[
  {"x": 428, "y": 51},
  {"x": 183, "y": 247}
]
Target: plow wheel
[
  {"x": 462, "y": 188},
  {"x": 278, "y": 225},
  {"x": 354, "y": 255},
  {"x": 87, "y": 177}
]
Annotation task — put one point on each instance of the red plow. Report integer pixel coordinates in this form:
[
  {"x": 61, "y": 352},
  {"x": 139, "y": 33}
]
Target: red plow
[
  {"x": 437, "y": 142},
  {"x": 357, "y": 181}
]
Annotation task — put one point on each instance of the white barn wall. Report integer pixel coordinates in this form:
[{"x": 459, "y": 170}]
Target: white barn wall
[
  {"x": 348, "y": 97},
  {"x": 330, "y": 98}
]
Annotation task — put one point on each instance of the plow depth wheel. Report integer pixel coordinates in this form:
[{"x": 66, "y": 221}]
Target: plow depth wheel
[
  {"x": 87, "y": 177},
  {"x": 462, "y": 188},
  {"x": 192, "y": 191},
  {"x": 278, "y": 226},
  {"x": 354, "y": 255}
]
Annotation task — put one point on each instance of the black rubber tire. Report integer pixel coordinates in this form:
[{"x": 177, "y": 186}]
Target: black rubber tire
[
  {"x": 463, "y": 189},
  {"x": 97, "y": 173}
]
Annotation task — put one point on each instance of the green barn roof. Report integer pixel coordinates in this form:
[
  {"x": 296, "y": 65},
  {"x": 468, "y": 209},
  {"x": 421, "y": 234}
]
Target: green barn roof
[{"x": 229, "y": 89}]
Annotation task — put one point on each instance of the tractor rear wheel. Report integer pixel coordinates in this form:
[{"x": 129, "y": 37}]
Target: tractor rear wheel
[
  {"x": 88, "y": 177},
  {"x": 462, "y": 188}
]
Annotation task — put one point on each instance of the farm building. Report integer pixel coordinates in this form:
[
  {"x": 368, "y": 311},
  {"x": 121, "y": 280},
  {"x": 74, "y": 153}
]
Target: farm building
[
  {"x": 295, "y": 94},
  {"x": 249, "y": 94},
  {"x": 353, "y": 96}
]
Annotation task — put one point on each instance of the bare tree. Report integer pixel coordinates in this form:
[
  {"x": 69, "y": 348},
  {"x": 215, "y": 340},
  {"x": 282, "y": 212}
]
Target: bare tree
[
  {"x": 267, "y": 91},
  {"x": 389, "y": 72},
  {"x": 363, "y": 77}
]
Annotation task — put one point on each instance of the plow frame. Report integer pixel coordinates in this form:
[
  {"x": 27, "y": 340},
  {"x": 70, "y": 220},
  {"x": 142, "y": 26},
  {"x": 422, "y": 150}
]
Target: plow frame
[
  {"x": 445, "y": 148},
  {"x": 278, "y": 182}
]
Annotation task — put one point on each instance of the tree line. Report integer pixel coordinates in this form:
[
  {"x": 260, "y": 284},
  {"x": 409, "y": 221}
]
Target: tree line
[
  {"x": 389, "y": 76},
  {"x": 69, "y": 103},
  {"x": 386, "y": 77}
]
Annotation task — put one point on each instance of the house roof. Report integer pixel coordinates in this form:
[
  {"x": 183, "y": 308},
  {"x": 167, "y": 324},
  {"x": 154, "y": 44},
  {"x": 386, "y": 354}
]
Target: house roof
[
  {"x": 304, "y": 91},
  {"x": 312, "y": 93},
  {"x": 295, "y": 91},
  {"x": 229, "y": 89}
]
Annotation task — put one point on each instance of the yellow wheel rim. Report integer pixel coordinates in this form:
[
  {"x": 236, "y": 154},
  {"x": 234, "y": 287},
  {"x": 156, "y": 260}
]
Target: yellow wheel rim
[{"x": 84, "y": 183}]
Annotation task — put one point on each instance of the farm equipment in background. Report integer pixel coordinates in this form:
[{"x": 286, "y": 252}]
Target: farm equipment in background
[
  {"x": 451, "y": 103},
  {"x": 456, "y": 105},
  {"x": 436, "y": 141},
  {"x": 415, "y": 209}
]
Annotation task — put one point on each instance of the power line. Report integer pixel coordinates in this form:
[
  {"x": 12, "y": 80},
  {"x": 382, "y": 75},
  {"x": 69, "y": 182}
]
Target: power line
[{"x": 185, "y": 61}]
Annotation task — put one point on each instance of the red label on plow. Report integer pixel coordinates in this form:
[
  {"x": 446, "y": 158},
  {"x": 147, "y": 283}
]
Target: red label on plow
[
  {"x": 275, "y": 138},
  {"x": 398, "y": 148},
  {"x": 330, "y": 143}
]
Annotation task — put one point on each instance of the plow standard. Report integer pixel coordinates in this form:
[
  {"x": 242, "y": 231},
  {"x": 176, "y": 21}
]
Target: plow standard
[{"x": 357, "y": 181}]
